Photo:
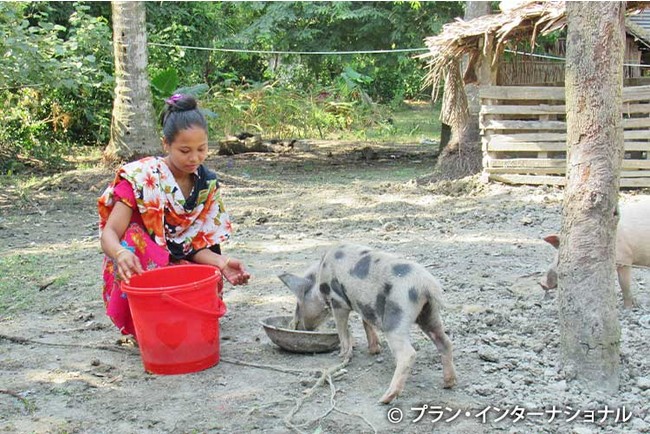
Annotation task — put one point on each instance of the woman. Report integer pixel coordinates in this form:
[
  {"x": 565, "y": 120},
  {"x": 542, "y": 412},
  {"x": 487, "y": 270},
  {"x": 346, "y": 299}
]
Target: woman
[{"x": 162, "y": 211}]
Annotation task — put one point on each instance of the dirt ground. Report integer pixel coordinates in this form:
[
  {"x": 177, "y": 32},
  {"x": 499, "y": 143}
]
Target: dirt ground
[{"x": 62, "y": 369}]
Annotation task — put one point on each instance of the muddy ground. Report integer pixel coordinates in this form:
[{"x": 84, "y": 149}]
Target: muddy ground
[{"x": 63, "y": 371}]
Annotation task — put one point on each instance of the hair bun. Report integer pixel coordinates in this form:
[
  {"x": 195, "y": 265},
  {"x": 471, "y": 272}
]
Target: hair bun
[
  {"x": 181, "y": 112},
  {"x": 180, "y": 102}
]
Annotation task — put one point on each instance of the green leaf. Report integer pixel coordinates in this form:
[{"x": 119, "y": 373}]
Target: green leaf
[
  {"x": 209, "y": 113},
  {"x": 196, "y": 90},
  {"x": 165, "y": 82}
]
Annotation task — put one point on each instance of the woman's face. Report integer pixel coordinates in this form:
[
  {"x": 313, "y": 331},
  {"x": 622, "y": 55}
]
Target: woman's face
[{"x": 188, "y": 150}]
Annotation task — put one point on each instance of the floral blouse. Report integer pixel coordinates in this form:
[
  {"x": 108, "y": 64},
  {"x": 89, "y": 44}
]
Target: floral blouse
[{"x": 182, "y": 225}]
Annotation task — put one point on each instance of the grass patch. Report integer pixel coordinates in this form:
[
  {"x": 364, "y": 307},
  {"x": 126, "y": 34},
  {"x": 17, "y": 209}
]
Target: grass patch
[
  {"x": 412, "y": 122},
  {"x": 21, "y": 184},
  {"x": 399, "y": 173},
  {"x": 417, "y": 120},
  {"x": 20, "y": 276}
]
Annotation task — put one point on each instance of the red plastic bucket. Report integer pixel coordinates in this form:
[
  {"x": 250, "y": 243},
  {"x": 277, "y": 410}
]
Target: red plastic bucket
[{"x": 176, "y": 313}]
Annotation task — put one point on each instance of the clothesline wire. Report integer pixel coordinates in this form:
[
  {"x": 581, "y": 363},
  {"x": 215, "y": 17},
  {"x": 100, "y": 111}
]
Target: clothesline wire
[
  {"x": 398, "y": 50},
  {"x": 241, "y": 50},
  {"x": 548, "y": 56},
  {"x": 329, "y": 53}
]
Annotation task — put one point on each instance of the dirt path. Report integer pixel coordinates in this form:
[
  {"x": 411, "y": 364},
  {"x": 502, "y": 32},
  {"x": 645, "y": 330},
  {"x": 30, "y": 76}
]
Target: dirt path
[{"x": 61, "y": 370}]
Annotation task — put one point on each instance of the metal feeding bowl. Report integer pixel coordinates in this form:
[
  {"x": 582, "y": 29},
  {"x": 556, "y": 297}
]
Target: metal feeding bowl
[{"x": 299, "y": 341}]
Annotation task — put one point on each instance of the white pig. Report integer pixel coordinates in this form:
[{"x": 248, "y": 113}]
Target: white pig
[
  {"x": 388, "y": 292},
  {"x": 632, "y": 247}
]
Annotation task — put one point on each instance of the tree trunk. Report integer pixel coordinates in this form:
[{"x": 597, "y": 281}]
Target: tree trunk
[
  {"x": 462, "y": 154},
  {"x": 478, "y": 72},
  {"x": 590, "y": 331},
  {"x": 133, "y": 128}
]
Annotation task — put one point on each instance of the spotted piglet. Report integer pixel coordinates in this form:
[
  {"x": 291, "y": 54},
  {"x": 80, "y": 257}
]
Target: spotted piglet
[{"x": 388, "y": 292}]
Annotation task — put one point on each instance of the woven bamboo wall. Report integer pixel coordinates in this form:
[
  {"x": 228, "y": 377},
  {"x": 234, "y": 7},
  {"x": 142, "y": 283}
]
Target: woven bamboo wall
[
  {"x": 522, "y": 70},
  {"x": 530, "y": 73},
  {"x": 524, "y": 135}
]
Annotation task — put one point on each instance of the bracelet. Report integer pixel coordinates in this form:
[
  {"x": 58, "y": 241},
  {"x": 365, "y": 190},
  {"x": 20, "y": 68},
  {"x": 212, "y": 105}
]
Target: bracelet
[
  {"x": 226, "y": 264},
  {"x": 120, "y": 251}
]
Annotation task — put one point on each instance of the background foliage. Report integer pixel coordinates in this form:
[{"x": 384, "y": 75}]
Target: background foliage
[{"x": 56, "y": 69}]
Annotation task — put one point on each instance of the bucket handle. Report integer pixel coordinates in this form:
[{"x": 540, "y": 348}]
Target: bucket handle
[{"x": 221, "y": 309}]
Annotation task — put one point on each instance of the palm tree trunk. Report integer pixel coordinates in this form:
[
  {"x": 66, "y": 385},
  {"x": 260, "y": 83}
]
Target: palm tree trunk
[{"x": 133, "y": 128}]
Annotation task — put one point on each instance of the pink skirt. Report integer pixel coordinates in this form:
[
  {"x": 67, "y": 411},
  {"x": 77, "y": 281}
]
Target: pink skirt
[{"x": 150, "y": 255}]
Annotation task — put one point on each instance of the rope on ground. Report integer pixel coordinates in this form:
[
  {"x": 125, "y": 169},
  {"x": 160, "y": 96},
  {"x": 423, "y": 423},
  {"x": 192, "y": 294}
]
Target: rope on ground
[
  {"x": 269, "y": 367},
  {"x": 359, "y": 416},
  {"x": 299, "y": 402},
  {"x": 329, "y": 410},
  {"x": 25, "y": 341},
  {"x": 326, "y": 375}
]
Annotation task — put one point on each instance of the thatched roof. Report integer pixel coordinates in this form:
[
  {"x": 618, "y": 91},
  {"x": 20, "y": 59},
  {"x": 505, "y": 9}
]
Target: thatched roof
[
  {"x": 526, "y": 20},
  {"x": 639, "y": 33}
]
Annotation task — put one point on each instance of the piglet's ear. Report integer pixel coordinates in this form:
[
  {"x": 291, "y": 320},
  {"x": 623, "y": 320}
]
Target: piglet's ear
[
  {"x": 553, "y": 240},
  {"x": 298, "y": 285}
]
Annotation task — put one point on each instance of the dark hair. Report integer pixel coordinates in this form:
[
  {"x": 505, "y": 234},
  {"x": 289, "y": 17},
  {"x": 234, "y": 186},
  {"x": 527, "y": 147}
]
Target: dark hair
[{"x": 181, "y": 112}]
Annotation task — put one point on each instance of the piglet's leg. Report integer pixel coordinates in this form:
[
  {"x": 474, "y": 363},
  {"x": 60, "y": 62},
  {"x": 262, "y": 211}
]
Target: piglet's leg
[
  {"x": 373, "y": 340},
  {"x": 431, "y": 324},
  {"x": 400, "y": 345},
  {"x": 625, "y": 281},
  {"x": 341, "y": 319}
]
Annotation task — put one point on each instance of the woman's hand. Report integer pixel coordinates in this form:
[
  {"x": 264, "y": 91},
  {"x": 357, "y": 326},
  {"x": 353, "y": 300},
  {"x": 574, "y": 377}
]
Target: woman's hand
[
  {"x": 235, "y": 272},
  {"x": 232, "y": 269},
  {"x": 127, "y": 263}
]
